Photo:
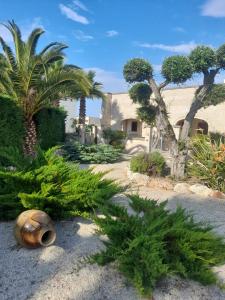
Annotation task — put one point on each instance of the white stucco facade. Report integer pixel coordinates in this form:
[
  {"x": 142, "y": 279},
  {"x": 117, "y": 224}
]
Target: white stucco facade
[{"x": 119, "y": 113}]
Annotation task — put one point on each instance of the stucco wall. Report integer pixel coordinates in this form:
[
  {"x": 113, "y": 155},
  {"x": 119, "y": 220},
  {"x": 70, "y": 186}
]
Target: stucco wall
[{"x": 178, "y": 102}]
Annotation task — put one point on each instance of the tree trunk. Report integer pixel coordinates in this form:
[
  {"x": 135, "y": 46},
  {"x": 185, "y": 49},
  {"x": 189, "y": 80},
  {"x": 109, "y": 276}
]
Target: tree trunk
[
  {"x": 30, "y": 140},
  {"x": 82, "y": 112}
]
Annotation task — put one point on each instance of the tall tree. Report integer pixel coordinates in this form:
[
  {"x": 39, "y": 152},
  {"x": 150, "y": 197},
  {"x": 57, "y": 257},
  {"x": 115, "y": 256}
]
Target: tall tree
[
  {"x": 94, "y": 92},
  {"x": 176, "y": 69},
  {"x": 31, "y": 78}
]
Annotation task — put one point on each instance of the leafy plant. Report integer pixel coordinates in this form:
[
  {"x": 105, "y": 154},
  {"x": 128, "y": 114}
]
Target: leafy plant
[
  {"x": 98, "y": 154},
  {"x": 148, "y": 163},
  {"x": 114, "y": 137},
  {"x": 155, "y": 243},
  {"x": 34, "y": 79},
  {"x": 208, "y": 162},
  {"x": 50, "y": 123},
  {"x": 11, "y": 126},
  {"x": 50, "y": 184}
]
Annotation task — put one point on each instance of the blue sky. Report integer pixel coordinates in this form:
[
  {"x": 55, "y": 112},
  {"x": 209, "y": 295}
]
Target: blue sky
[{"x": 103, "y": 34}]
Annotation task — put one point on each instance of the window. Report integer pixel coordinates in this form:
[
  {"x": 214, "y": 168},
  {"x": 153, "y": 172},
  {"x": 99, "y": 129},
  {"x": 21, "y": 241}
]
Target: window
[{"x": 134, "y": 126}]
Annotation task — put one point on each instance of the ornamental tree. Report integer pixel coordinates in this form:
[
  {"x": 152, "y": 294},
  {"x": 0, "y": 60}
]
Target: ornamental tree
[{"x": 177, "y": 70}]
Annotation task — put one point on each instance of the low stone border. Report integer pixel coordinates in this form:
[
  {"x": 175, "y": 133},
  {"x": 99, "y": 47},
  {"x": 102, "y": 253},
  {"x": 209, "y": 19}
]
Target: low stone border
[{"x": 198, "y": 189}]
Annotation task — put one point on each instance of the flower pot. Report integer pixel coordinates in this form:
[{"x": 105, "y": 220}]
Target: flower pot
[{"x": 34, "y": 228}]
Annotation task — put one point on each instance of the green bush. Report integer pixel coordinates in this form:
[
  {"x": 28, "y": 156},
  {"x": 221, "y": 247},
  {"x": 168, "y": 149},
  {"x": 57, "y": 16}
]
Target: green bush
[
  {"x": 155, "y": 243},
  {"x": 97, "y": 154},
  {"x": 50, "y": 124},
  {"x": 208, "y": 162},
  {"x": 148, "y": 163},
  {"x": 114, "y": 137},
  {"x": 50, "y": 184},
  {"x": 11, "y": 126}
]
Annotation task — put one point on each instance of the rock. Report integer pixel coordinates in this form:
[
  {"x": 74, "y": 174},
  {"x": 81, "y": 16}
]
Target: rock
[
  {"x": 200, "y": 190},
  {"x": 182, "y": 188},
  {"x": 138, "y": 178},
  {"x": 123, "y": 201},
  {"x": 217, "y": 194}
]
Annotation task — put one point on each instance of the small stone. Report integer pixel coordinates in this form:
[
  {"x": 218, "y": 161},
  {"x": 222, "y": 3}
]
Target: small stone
[
  {"x": 200, "y": 190},
  {"x": 182, "y": 188},
  {"x": 217, "y": 194}
]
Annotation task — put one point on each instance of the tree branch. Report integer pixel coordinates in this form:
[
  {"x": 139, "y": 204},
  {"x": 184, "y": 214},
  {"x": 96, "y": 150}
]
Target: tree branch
[{"x": 163, "y": 84}]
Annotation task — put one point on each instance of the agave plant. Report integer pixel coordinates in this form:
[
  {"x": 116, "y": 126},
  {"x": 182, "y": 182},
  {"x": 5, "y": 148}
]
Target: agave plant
[{"x": 35, "y": 79}]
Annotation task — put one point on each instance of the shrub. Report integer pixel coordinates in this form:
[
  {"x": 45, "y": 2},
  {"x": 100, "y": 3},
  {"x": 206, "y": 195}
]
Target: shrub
[
  {"x": 114, "y": 137},
  {"x": 155, "y": 243},
  {"x": 208, "y": 162},
  {"x": 11, "y": 126},
  {"x": 98, "y": 154},
  {"x": 148, "y": 163},
  {"x": 50, "y": 127},
  {"x": 50, "y": 184}
]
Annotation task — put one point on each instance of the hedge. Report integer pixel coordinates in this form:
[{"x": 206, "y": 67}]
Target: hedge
[
  {"x": 11, "y": 125},
  {"x": 50, "y": 127}
]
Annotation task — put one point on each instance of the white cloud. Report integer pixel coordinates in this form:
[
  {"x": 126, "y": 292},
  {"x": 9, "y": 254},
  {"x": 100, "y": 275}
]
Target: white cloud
[
  {"x": 213, "y": 8},
  {"x": 157, "y": 68},
  {"x": 81, "y": 36},
  {"x": 180, "y": 48},
  {"x": 179, "y": 29},
  {"x": 112, "y": 81},
  {"x": 71, "y": 14},
  {"x": 79, "y": 5},
  {"x": 112, "y": 33}
]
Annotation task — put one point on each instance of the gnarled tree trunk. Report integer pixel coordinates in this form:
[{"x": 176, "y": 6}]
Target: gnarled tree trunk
[{"x": 30, "y": 140}]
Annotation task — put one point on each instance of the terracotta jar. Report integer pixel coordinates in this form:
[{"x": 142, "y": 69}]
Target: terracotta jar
[{"x": 34, "y": 228}]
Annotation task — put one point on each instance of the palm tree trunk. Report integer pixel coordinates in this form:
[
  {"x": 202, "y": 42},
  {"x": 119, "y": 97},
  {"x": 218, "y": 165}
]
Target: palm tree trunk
[
  {"x": 30, "y": 140},
  {"x": 82, "y": 111}
]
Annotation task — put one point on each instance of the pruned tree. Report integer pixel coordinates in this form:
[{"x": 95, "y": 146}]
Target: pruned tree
[{"x": 177, "y": 70}]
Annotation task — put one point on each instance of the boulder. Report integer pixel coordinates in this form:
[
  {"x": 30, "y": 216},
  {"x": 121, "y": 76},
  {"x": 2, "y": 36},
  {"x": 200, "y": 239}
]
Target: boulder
[
  {"x": 200, "y": 190},
  {"x": 138, "y": 178},
  {"x": 182, "y": 188},
  {"x": 125, "y": 202},
  {"x": 217, "y": 194}
]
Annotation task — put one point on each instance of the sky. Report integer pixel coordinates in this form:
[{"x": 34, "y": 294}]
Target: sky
[{"x": 103, "y": 35}]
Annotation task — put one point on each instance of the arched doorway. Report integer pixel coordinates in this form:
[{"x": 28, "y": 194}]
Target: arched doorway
[
  {"x": 132, "y": 127},
  {"x": 199, "y": 126}
]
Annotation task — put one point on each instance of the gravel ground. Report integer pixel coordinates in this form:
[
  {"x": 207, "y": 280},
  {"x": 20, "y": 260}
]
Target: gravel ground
[{"x": 62, "y": 271}]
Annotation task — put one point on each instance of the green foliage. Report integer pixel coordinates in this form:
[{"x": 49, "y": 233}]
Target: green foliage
[
  {"x": 220, "y": 55},
  {"x": 215, "y": 96},
  {"x": 202, "y": 58},
  {"x": 96, "y": 154},
  {"x": 177, "y": 69},
  {"x": 50, "y": 127},
  {"x": 50, "y": 184},
  {"x": 11, "y": 126},
  {"x": 114, "y": 137},
  {"x": 148, "y": 163},
  {"x": 155, "y": 243},
  {"x": 208, "y": 162},
  {"x": 137, "y": 70},
  {"x": 217, "y": 137},
  {"x": 147, "y": 113},
  {"x": 140, "y": 93}
]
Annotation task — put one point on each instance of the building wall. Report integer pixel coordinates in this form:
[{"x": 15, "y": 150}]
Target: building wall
[
  {"x": 70, "y": 107},
  {"x": 120, "y": 107}
]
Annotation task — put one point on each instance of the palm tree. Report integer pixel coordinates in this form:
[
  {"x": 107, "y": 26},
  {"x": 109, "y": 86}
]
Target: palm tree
[
  {"x": 35, "y": 79},
  {"x": 94, "y": 92}
]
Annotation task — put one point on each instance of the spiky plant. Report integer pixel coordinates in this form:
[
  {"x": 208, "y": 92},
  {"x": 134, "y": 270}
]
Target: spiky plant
[{"x": 33, "y": 79}]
